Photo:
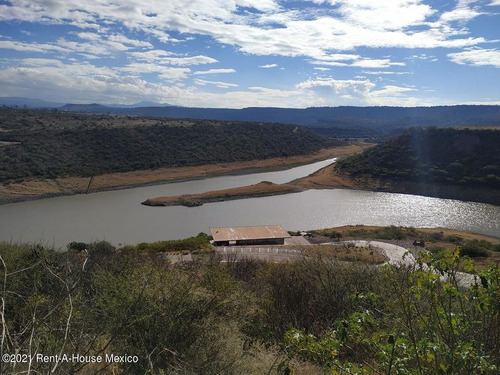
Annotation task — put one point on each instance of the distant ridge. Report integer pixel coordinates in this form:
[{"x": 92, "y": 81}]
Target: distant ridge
[
  {"x": 20, "y": 102},
  {"x": 140, "y": 104},
  {"x": 372, "y": 119},
  {"x": 329, "y": 121},
  {"x": 85, "y": 108}
]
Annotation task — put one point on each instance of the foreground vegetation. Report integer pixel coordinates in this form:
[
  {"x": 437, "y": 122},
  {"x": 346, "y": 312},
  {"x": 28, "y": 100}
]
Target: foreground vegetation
[{"x": 316, "y": 316}]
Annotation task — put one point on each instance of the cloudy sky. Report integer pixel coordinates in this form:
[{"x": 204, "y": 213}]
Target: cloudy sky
[{"x": 242, "y": 53}]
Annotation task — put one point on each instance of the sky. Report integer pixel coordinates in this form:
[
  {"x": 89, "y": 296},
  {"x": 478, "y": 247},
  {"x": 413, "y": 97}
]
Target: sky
[{"x": 252, "y": 53}]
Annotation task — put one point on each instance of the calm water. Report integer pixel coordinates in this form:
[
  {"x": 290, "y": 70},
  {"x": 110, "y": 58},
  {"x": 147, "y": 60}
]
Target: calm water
[{"x": 118, "y": 216}]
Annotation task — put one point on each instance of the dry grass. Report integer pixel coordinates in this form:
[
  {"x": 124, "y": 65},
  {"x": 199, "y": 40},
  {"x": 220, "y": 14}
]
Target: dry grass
[
  {"x": 346, "y": 252},
  {"x": 264, "y": 188}
]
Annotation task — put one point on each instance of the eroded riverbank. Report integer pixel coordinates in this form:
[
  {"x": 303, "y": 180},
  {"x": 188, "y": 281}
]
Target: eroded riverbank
[{"x": 37, "y": 189}]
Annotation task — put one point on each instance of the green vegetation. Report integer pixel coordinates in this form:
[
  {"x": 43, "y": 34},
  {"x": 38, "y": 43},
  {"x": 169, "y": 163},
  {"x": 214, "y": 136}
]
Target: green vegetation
[
  {"x": 316, "y": 316},
  {"x": 198, "y": 243},
  {"x": 436, "y": 241},
  {"x": 49, "y": 144},
  {"x": 383, "y": 233},
  {"x": 462, "y": 157}
]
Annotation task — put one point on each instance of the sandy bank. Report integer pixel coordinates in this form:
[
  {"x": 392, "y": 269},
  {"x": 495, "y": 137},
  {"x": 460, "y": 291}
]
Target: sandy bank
[{"x": 262, "y": 189}]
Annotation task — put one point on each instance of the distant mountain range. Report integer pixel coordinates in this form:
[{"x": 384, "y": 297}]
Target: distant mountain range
[
  {"x": 38, "y": 103},
  {"x": 330, "y": 121}
]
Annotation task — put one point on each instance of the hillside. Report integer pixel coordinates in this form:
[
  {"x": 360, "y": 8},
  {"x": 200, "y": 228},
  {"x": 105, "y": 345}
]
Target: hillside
[
  {"x": 352, "y": 122},
  {"x": 49, "y": 144},
  {"x": 457, "y": 163}
]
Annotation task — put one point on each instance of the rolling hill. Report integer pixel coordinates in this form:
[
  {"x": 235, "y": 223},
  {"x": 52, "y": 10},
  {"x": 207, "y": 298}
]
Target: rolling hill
[
  {"x": 49, "y": 144},
  {"x": 447, "y": 162}
]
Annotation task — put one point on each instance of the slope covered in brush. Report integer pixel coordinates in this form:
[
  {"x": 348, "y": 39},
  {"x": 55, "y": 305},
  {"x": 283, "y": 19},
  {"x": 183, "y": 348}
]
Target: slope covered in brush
[
  {"x": 466, "y": 157},
  {"x": 46, "y": 144}
]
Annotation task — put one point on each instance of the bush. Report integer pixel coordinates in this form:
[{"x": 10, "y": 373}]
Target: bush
[
  {"x": 474, "y": 249},
  {"x": 436, "y": 236},
  {"x": 435, "y": 249},
  {"x": 78, "y": 246},
  {"x": 200, "y": 242}
]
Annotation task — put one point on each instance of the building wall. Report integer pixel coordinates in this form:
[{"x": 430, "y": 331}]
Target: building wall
[{"x": 266, "y": 241}]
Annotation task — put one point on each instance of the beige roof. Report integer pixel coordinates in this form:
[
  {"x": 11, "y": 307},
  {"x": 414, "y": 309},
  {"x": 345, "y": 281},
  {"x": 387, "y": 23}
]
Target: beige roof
[{"x": 248, "y": 233}]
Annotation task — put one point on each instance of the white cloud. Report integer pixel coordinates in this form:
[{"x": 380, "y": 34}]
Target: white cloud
[
  {"x": 383, "y": 72},
  {"x": 86, "y": 83},
  {"x": 347, "y": 25},
  {"x": 477, "y": 57},
  {"x": 165, "y": 72},
  {"x": 395, "y": 96},
  {"x": 41, "y": 62},
  {"x": 192, "y": 60},
  {"x": 224, "y": 85},
  {"x": 268, "y": 66},
  {"x": 461, "y": 14},
  {"x": 167, "y": 57},
  {"x": 345, "y": 87},
  {"x": 330, "y": 91},
  {"x": 385, "y": 15},
  {"x": 214, "y": 71},
  {"x": 376, "y": 63},
  {"x": 119, "y": 38},
  {"x": 358, "y": 61},
  {"x": 30, "y": 47}
]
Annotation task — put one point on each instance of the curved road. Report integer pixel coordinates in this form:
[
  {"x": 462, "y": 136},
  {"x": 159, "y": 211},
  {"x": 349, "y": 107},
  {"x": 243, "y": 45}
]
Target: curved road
[{"x": 399, "y": 255}]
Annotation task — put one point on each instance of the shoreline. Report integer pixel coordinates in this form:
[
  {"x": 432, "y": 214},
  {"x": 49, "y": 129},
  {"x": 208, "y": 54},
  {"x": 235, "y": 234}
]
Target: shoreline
[
  {"x": 261, "y": 189},
  {"x": 328, "y": 178},
  {"x": 29, "y": 190}
]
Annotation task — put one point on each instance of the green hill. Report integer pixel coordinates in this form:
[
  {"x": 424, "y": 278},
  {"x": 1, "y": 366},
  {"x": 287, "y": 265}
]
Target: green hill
[
  {"x": 49, "y": 144},
  {"x": 456, "y": 163}
]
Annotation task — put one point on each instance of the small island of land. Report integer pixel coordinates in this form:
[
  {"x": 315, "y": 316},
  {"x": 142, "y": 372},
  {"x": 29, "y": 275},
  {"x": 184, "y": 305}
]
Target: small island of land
[
  {"x": 460, "y": 163},
  {"x": 262, "y": 189}
]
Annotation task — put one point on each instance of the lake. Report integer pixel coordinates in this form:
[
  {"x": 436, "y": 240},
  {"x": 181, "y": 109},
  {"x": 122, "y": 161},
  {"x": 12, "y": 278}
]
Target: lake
[{"x": 118, "y": 216}]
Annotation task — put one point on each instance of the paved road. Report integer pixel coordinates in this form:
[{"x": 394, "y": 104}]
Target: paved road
[
  {"x": 399, "y": 255},
  {"x": 395, "y": 254}
]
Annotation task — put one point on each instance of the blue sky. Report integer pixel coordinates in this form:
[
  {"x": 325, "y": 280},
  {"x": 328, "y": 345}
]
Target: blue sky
[{"x": 244, "y": 53}]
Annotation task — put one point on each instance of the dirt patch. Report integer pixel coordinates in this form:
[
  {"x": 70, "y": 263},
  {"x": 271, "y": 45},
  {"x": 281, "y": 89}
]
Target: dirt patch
[
  {"x": 328, "y": 177},
  {"x": 262, "y": 189}
]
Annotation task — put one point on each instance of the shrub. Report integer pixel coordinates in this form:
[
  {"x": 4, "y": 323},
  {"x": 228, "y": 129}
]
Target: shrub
[
  {"x": 435, "y": 249},
  {"x": 436, "y": 236},
  {"x": 474, "y": 249}
]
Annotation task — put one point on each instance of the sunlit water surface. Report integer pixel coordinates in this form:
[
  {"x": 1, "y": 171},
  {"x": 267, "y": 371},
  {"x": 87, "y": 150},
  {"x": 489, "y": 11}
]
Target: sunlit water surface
[{"x": 118, "y": 217}]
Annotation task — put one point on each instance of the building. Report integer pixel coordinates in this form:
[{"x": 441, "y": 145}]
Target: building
[{"x": 259, "y": 235}]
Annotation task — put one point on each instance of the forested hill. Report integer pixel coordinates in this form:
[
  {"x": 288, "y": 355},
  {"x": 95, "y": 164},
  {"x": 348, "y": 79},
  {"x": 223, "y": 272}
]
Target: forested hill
[
  {"x": 48, "y": 144},
  {"x": 423, "y": 157},
  {"x": 374, "y": 118}
]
